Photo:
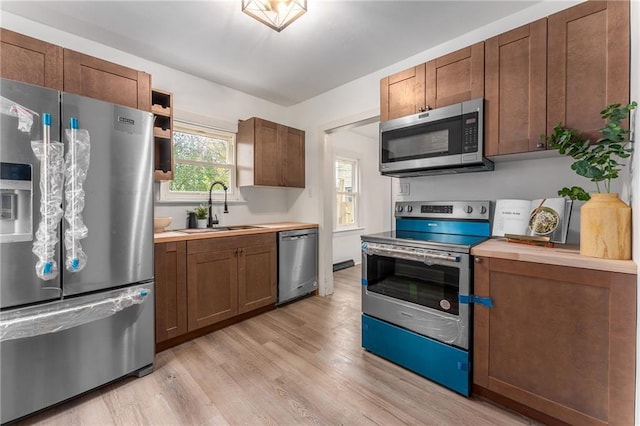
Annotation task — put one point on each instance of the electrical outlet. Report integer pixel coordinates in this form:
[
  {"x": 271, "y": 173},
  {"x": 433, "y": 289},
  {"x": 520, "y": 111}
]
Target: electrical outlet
[{"x": 404, "y": 188}]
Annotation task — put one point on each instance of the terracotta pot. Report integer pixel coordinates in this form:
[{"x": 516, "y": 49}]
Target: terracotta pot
[{"x": 605, "y": 227}]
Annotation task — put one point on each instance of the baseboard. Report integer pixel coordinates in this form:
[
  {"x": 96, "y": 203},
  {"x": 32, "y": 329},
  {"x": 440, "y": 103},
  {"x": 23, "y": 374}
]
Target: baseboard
[{"x": 343, "y": 265}]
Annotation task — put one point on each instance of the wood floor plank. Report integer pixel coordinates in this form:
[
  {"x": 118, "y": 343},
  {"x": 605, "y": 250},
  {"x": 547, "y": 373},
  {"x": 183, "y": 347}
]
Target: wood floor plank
[{"x": 301, "y": 364}]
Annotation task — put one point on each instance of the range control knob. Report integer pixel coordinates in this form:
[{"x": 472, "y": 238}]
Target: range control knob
[
  {"x": 468, "y": 209},
  {"x": 483, "y": 210},
  {"x": 409, "y": 209},
  {"x": 399, "y": 209}
]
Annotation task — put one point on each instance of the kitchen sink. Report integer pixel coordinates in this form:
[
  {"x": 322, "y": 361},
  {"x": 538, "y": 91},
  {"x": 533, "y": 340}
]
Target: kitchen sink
[{"x": 218, "y": 229}]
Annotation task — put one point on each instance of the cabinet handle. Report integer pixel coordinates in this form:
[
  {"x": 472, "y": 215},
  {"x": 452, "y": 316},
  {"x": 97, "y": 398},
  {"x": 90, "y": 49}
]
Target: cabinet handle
[
  {"x": 477, "y": 260},
  {"x": 540, "y": 145}
]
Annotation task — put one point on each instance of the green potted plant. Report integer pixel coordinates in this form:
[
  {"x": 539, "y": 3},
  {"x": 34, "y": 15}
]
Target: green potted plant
[
  {"x": 201, "y": 215},
  {"x": 605, "y": 220}
]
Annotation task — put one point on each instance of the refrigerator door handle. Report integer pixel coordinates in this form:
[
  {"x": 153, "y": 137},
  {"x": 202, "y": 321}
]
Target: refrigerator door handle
[{"x": 32, "y": 322}]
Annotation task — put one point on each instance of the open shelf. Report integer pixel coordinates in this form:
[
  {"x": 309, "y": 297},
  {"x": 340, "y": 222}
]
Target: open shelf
[{"x": 161, "y": 107}]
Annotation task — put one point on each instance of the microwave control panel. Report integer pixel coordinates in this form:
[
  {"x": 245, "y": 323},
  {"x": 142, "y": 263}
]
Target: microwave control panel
[{"x": 470, "y": 132}]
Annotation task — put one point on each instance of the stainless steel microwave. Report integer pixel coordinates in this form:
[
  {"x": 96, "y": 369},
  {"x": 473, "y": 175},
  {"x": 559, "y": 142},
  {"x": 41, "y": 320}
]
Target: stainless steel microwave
[{"x": 438, "y": 141}]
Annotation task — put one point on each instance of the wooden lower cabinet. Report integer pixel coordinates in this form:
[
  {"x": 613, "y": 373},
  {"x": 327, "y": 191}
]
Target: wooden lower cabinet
[
  {"x": 229, "y": 276},
  {"x": 257, "y": 276},
  {"x": 171, "y": 290},
  {"x": 558, "y": 340}
]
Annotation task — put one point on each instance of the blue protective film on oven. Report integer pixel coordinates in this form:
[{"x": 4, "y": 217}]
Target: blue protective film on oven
[
  {"x": 478, "y": 300},
  {"x": 364, "y": 281},
  {"x": 463, "y": 240},
  {"x": 442, "y": 363},
  {"x": 451, "y": 227}
]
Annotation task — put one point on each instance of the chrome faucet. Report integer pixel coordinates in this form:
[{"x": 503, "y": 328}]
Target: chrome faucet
[{"x": 226, "y": 210}]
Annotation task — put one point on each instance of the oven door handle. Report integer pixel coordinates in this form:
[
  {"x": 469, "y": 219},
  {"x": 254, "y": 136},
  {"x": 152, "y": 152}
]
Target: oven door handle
[{"x": 412, "y": 254}]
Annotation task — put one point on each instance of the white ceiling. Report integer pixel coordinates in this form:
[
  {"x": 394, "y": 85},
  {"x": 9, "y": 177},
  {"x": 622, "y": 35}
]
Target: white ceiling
[{"x": 333, "y": 43}]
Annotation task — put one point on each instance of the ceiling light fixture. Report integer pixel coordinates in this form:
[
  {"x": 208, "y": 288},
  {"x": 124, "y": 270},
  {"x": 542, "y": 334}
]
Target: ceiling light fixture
[{"x": 276, "y": 14}]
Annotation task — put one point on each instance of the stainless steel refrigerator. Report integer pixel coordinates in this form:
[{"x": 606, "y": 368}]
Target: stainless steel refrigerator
[{"x": 87, "y": 326}]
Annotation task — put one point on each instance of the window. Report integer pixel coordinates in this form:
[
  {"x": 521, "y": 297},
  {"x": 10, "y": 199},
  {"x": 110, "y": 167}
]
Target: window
[
  {"x": 202, "y": 155},
  {"x": 346, "y": 193}
]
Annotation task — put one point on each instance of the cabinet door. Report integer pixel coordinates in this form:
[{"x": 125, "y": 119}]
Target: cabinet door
[
  {"x": 293, "y": 157},
  {"x": 171, "y": 290},
  {"x": 267, "y": 154},
  {"x": 212, "y": 287},
  {"x": 456, "y": 77},
  {"x": 559, "y": 340},
  {"x": 402, "y": 93},
  {"x": 30, "y": 60},
  {"x": 257, "y": 286},
  {"x": 99, "y": 79},
  {"x": 515, "y": 90},
  {"x": 588, "y": 64}
]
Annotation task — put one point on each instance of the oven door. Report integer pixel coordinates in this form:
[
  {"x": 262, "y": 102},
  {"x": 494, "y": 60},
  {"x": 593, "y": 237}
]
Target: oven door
[{"x": 417, "y": 289}]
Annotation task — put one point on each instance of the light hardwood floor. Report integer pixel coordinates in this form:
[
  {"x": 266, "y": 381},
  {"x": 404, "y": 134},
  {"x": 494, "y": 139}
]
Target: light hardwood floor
[{"x": 299, "y": 364}]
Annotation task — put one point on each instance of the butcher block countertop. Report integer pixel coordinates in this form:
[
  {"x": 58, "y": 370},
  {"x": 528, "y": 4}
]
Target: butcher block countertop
[
  {"x": 561, "y": 254},
  {"x": 262, "y": 228}
]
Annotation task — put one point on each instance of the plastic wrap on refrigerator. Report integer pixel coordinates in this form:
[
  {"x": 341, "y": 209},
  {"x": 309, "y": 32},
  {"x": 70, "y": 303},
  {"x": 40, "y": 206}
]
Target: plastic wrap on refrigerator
[
  {"x": 51, "y": 156},
  {"x": 29, "y": 322},
  {"x": 76, "y": 168},
  {"x": 14, "y": 109}
]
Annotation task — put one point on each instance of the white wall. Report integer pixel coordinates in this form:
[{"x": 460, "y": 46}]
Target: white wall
[
  {"x": 375, "y": 194},
  {"x": 195, "y": 99},
  {"x": 635, "y": 175}
]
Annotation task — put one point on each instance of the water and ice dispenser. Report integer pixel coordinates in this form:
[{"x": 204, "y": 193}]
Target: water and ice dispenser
[{"x": 16, "y": 198}]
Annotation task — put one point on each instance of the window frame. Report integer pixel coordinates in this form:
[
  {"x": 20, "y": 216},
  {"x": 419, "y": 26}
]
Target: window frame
[
  {"x": 202, "y": 196},
  {"x": 355, "y": 193}
]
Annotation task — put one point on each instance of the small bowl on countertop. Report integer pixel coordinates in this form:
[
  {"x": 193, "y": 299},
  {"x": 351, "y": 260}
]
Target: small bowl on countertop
[{"x": 160, "y": 223}]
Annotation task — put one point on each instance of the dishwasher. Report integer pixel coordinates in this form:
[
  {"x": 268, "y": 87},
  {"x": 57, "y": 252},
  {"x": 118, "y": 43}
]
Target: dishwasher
[{"x": 297, "y": 263}]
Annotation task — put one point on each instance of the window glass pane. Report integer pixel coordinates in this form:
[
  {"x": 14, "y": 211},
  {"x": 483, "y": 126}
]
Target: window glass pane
[
  {"x": 206, "y": 148},
  {"x": 345, "y": 209},
  {"x": 345, "y": 176},
  {"x": 188, "y": 177}
]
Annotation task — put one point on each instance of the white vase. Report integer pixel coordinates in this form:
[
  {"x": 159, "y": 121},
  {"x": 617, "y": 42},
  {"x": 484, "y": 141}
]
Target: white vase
[{"x": 202, "y": 223}]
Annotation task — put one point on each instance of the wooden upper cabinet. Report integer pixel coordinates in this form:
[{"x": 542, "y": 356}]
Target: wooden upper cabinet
[
  {"x": 30, "y": 60},
  {"x": 588, "y": 64},
  {"x": 456, "y": 77},
  {"x": 267, "y": 154},
  {"x": 293, "y": 158},
  {"x": 270, "y": 154},
  {"x": 402, "y": 93},
  {"x": 515, "y": 90},
  {"x": 96, "y": 78}
]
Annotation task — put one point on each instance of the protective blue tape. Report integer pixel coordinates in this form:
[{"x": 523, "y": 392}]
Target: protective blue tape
[
  {"x": 48, "y": 268},
  {"x": 485, "y": 301},
  {"x": 365, "y": 282}
]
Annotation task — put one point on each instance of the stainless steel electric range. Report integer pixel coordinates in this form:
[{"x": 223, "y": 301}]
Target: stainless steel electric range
[{"x": 417, "y": 285}]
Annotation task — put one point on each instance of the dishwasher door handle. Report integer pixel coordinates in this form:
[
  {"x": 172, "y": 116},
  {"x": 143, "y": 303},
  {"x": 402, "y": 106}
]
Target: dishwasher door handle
[{"x": 296, "y": 237}]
